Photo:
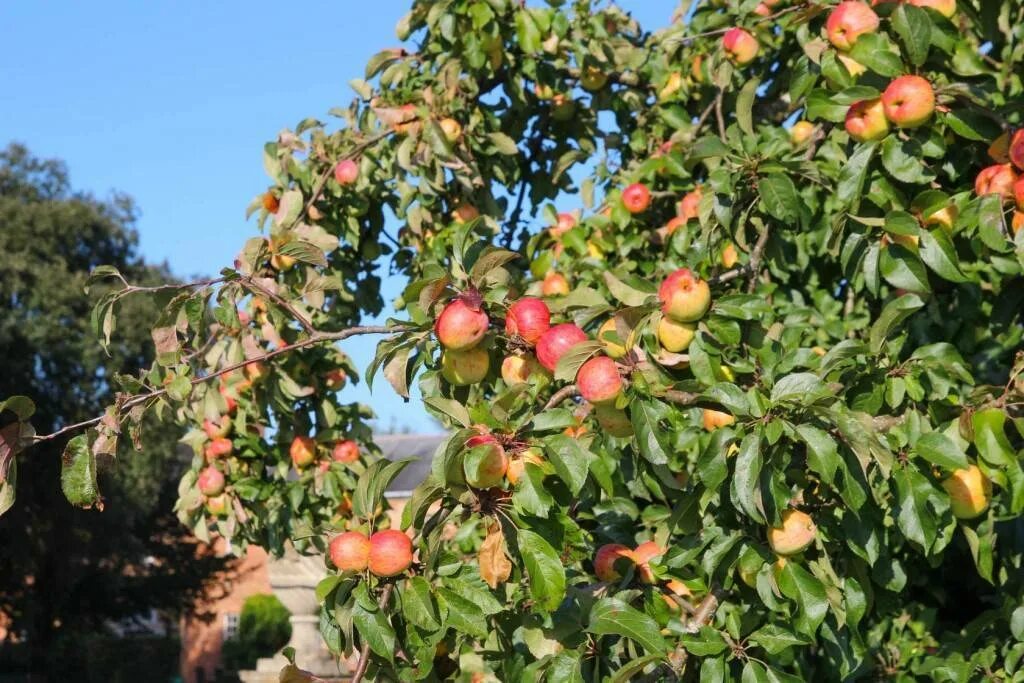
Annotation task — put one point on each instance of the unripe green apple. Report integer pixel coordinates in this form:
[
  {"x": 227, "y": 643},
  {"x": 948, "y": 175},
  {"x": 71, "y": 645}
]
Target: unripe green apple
[
  {"x": 675, "y": 337},
  {"x": 462, "y": 368}
]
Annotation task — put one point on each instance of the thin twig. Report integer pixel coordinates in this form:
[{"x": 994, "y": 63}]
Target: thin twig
[
  {"x": 560, "y": 395},
  {"x": 684, "y": 398},
  {"x": 755, "y": 258},
  {"x": 139, "y": 399},
  {"x": 718, "y": 114},
  {"x": 364, "y": 653},
  {"x": 251, "y": 283},
  {"x": 705, "y": 611}
]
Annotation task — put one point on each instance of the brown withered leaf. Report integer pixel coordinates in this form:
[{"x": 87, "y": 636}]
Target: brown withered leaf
[{"x": 495, "y": 566}]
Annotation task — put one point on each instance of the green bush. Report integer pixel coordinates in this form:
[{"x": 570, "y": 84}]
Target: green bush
[{"x": 263, "y": 629}]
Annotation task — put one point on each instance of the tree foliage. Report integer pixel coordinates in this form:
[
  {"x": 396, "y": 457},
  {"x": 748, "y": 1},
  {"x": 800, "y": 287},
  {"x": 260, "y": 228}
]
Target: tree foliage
[{"x": 817, "y": 477}]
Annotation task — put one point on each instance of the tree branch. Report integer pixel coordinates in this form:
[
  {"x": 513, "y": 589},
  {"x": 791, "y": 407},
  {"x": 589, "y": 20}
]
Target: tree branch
[
  {"x": 122, "y": 406},
  {"x": 705, "y": 611},
  {"x": 251, "y": 284},
  {"x": 755, "y": 257},
  {"x": 364, "y": 652},
  {"x": 560, "y": 395}
]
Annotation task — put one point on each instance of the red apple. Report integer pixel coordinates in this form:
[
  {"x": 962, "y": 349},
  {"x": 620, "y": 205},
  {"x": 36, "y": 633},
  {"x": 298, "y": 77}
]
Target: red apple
[
  {"x": 598, "y": 380},
  {"x": 946, "y": 8},
  {"x": 462, "y": 368},
  {"x": 553, "y": 344},
  {"x": 218, "y": 429},
  {"x": 566, "y": 222},
  {"x": 345, "y": 451},
  {"x": 644, "y": 553},
  {"x": 554, "y": 284},
  {"x": 270, "y": 202},
  {"x": 1015, "y": 153},
  {"x": 689, "y": 205},
  {"x": 636, "y": 198},
  {"x": 908, "y": 101},
  {"x": 865, "y": 120},
  {"x": 607, "y": 557},
  {"x": 1018, "y": 192},
  {"x": 219, "y": 448},
  {"x": 346, "y": 172},
  {"x": 211, "y": 481},
  {"x": 684, "y": 296},
  {"x": 350, "y": 551},
  {"x": 848, "y": 22},
  {"x": 217, "y": 505},
  {"x": 460, "y": 325},
  {"x": 335, "y": 379},
  {"x": 996, "y": 179},
  {"x": 464, "y": 213},
  {"x": 390, "y": 553},
  {"x": 302, "y": 451},
  {"x": 740, "y": 47},
  {"x": 528, "y": 318}
]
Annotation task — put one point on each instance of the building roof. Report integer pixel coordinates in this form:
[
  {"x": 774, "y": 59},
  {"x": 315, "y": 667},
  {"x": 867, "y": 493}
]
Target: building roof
[{"x": 400, "y": 446}]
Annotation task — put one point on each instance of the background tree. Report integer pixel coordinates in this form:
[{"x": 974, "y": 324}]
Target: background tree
[
  {"x": 63, "y": 572},
  {"x": 758, "y": 411}
]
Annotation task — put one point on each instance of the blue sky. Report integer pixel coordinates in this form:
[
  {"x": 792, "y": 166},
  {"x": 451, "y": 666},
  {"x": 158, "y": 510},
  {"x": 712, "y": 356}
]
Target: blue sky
[{"x": 171, "y": 102}]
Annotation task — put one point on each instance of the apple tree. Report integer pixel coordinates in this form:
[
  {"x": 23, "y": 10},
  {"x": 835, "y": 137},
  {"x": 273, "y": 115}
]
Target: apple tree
[{"x": 725, "y": 321}]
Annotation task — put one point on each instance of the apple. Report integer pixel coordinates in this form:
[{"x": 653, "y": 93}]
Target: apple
[
  {"x": 729, "y": 255},
  {"x": 848, "y": 22},
  {"x": 461, "y": 325},
  {"x": 462, "y": 368},
  {"x": 673, "y": 224},
  {"x": 554, "y": 284},
  {"x": 465, "y": 212},
  {"x": 1015, "y": 151},
  {"x": 406, "y": 119},
  {"x": 598, "y": 380},
  {"x": 696, "y": 69},
  {"x": 451, "y": 128},
  {"x": 565, "y": 223},
  {"x": 684, "y": 296},
  {"x": 614, "y": 421},
  {"x": 211, "y": 481},
  {"x": 528, "y": 318},
  {"x": 563, "y": 107},
  {"x": 491, "y": 467},
  {"x": 390, "y": 553},
  {"x": 675, "y": 337},
  {"x": 218, "y": 429},
  {"x": 946, "y": 8},
  {"x": 543, "y": 91},
  {"x": 553, "y": 344},
  {"x": 607, "y": 557},
  {"x": 970, "y": 492},
  {"x": 270, "y": 202},
  {"x": 853, "y": 67},
  {"x": 944, "y": 217},
  {"x": 636, "y": 198},
  {"x": 607, "y": 334},
  {"x": 996, "y": 179},
  {"x": 593, "y": 78},
  {"x": 345, "y": 451},
  {"x": 740, "y": 47},
  {"x": 335, "y": 379},
  {"x": 256, "y": 371},
  {"x": 866, "y": 121},
  {"x": 517, "y": 369},
  {"x": 908, "y": 101},
  {"x": 801, "y": 132},
  {"x": 219, "y": 448},
  {"x": 672, "y": 85},
  {"x": 689, "y": 205},
  {"x": 217, "y": 505},
  {"x": 302, "y": 451},
  {"x": 350, "y": 551},
  {"x": 1018, "y": 221},
  {"x": 346, "y": 172},
  {"x": 713, "y": 419},
  {"x": 642, "y": 555},
  {"x": 517, "y": 466},
  {"x": 796, "y": 533}
]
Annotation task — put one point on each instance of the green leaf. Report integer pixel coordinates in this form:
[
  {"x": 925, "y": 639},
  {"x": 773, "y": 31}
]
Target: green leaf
[
  {"x": 939, "y": 449},
  {"x": 744, "y": 105},
  {"x": 305, "y": 252},
  {"x": 570, "y": 460},
  {"x": 991, "y": 223},
  {"x": 822, "y": 452},
  {"x": 730, "y": 397},
  {"x": 902, "y": 159},
  {"x": 530, "y": 496},
  {"x": 801, "y": 388},
  {"x": 892, "y": 316},
  {"x": 938, "y": 252},
  {"x": 990, "y": 437},
  {"x": 8, "y": 487},
  {"x": 527, "y": 32},
  {"x": 646, "y": 416},
  {"x": 775, "y": 638},
  {"x": 746, "y": 484},
  {"x": 820, "y": 105},
  {"x": 779, "y": 196},
  {"x": 545, "y": 569},
  {"x": 418, "y": 604},
  {"x": 705, "y": 642},
  {"x": 630, "y": 296},
  {"x": 488, "y": 261},
  {"x": 372, "y": 484},
  {"x": 570, "y": 362},
  {"x": 326, "y": 587},
  {"x": 503, "y": 143},
  {"x": 797, "y": 584},
  {"x": 21, "y": 406},
  {"x": 872, "y": 50},
  {"x": 913, "y": 516},
  {"x": 451, "y": 408},
  {"x": 78, "y": 473},
  {"x": 566, "y": 667},
  {"x": 851, "y": 177},
  {"x": 611, "y": 616},
  {"x": 463, "y": 615},
  {"x": 914, "y": 27},
  {"x": 375, "y": 629}
]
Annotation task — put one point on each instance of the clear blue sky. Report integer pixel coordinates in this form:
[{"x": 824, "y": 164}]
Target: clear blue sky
[{"x": 171, "y": 102}]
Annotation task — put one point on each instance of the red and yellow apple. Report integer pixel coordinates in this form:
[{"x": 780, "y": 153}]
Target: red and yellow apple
[
  {"x": 219, "y": 448},
  {"x": 491, "y": 467},
  {"x": 528, "y": 318},
  {"x": 636, "y": 198},
  {"x": 848, "y": 22},
  {"x": 675, "y": 336},
  {"x": 740, "y": 46},
  {"x": 302, "y": 451},
  {"x": 909, "y": 101},
  {"x": 608, "y": 558},
  {"x": 796, "y": 533},
  {"x": 996, "y": 179},
  {"x": 1015, "y": 150},
  {"x": 642, "y": 555},
  {"x": 553, "y": 344},
  {"x": 345, "y": 451},
  {"x": 684, "y": 296},
  {"x": 713, "y": 419},
  {"x": 346, "y": 172},
  {"x": 970, "y": 492},
  {"x": 461, "y": 326},
  {"x": 801, "y": 132},
  {"x": 598, "y": 380},
  {"x": 554, "y": 284},
  {"x": 390, "y": 553},
  {"x": 451, "y": 128},
  {"x": 211, "y": 481},
  {"x": 517, "y": 369},
  {"x": 946, "y": 8},
  {"x": 350, "y": 551},
  {"x": 607, "y": 334},
  {"x": 866, "y": 121}
]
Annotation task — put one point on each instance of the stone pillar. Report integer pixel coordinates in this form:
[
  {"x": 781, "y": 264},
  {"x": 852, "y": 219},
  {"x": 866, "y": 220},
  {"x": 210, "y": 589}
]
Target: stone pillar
[{"x": 293, "y": 579}]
